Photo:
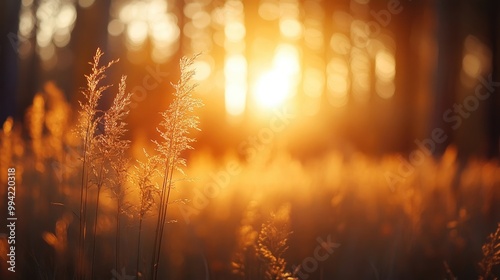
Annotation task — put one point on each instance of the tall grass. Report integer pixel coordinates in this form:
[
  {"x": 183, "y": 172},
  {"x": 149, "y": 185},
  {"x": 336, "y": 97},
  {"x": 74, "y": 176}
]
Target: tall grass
[
  {"x": 177, "y": 121},
  {"x": 87, "y": 131},
  {"x": 272, "y": 244},
  {"x": 404, "y": 233},
  {"x": 491, "y": 256},
  {"x": 104, "y": 156},
  {"x": 260, "y": 253},
  {"x": 112, "y": 147},
  {"x": 143, "y": 177}
]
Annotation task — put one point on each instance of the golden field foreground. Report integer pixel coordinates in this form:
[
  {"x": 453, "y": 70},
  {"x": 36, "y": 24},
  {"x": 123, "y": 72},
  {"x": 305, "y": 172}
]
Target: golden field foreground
[
  {"x": 86, "y": 209},
  {"x": 439, "y": 216}
]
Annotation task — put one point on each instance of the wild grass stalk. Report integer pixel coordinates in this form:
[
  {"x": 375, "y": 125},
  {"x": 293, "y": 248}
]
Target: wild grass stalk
[
  {"x": 111, "y": 149},
  {"x": 272, "y": 244},
  {"x": 118, "y": 192},
  {"x": 241, "y": 260},
  {"x": 178, "y": 120},
  {"x": 87, "y": 130},
  {"x": 143, "y": 178},
  {"x": 260, "y": 253}
]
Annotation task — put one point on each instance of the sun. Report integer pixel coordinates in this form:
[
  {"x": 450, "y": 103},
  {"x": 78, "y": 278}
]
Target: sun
[
  {"x": 272, "y": 89},
  {"x": 278, "y": 84}
]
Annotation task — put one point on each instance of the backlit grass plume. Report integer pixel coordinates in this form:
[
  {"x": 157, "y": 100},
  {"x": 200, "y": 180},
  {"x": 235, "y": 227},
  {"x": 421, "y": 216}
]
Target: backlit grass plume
[
  {"x": 260, "y": 253},
  {"x": 112, "y": 148},
  {"x": 178, "y": 120},
  {"x": 243, "y": 259},
  {"x": 89, "y": 120},
  {"x": 143, "y": 177},
  {"x": 272, "y": 244},
  {"x": 491, "y": 256}
]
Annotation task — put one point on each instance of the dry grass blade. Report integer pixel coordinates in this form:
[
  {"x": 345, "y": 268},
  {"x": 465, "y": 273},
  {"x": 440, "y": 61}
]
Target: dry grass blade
[
  {"x": 143, "y": 177},
  {"x": 86, "y": 130},
  {"x": 272, "y": 244},
  {"x": 178, "y": 121},
  {"x": 111, "y": 157},
  {"x": 247, "y": 236},
  {"x": 449, "y": 273}
]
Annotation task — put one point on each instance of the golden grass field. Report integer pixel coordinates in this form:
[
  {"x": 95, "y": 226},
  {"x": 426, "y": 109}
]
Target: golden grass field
[{"x": 273, "y": 216}]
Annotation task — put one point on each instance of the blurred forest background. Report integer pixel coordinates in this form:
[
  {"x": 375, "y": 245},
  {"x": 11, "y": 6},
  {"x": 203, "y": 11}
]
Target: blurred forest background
[{"x": 373, "y": 78}]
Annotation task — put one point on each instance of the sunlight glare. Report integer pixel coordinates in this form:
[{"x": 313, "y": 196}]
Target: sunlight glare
[
  {"x": 313, "y": 38},
  {"x": 338, "y": 82},
  {"x": 235, "y": 31},
  {"x": 340, "y": 43},
  {"x": 314, "y": 80},
  {"x": 142, "y": 19},
  {"x": 291, "y": 28},
  {"x": 66, "y": 16},
  {"x": 203, "y": 70},
  {"x": 235, "y": 71},
  {"x": 269, "y": 10},
  {"x": 286, "y": 59},
  {"x": 385, "y": 66},
  {"x": 272, "y": 89},
  {"x": 313, "y": 87},
  {"x": 201, "y": 20},
  {"x": 26, "y": 23},
  {"x": 279, "y": 83},
  {"x": 137, "y": 32},
  {"x": 385, "y": 70},
  {"x": 360, "y": 72}
]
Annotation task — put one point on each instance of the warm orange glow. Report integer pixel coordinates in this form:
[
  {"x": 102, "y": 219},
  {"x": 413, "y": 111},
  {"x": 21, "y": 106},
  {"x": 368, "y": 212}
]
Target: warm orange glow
[
  {"x": 235, "y": 71},
  {"x": 314, "y": 80},
  {"x": 272, "y": 89},
  {"x": 269, "y": 10},
  {"x": 471, "y": 65},
  {"x": 239, "y": 139},
  {"x": 291, "y": 28},
  {"x": 338, "y": 82},
  {"x": 360, "y": 72},
  {"x": 313, "y": 38},
  {"x": 137, "y": 32},
  {"x": 278, "y": 84},
  {"x": 385, "y": 70},
  {"x": 235, "y": 65},
  {"x": 313, "y": 87},
  {"x": 203, "y": 70},
  {"x": 140, "y": 20},
  {"x": 235, "y": 31},
  {"x": 385, "y": 66},
  {"x": 201, "y": 19}
]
